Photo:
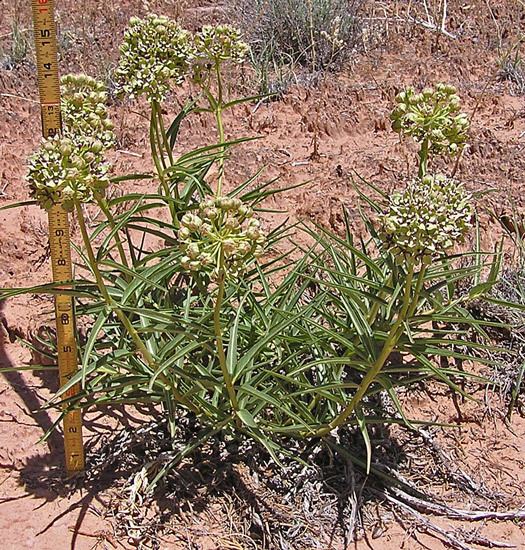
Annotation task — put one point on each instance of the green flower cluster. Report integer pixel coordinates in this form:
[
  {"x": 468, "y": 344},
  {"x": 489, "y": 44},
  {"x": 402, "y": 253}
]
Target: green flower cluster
[
  {"x": 71, "y": 168},
  {"x": 426, "y": 219},
  {"x": 60, "y": 172},
  {"x": 155, "y": 51},
  {"x": 85, "y": 114},
  {"x": 433, "y": 116},
  {"x": 215, "y": 44},
  {"x": 223, "y": 235}
]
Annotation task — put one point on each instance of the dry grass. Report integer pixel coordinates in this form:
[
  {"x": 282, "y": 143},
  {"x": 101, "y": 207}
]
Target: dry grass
[
  {"x": 513, "y": 70},
  {"x": 293, "y": 36}
]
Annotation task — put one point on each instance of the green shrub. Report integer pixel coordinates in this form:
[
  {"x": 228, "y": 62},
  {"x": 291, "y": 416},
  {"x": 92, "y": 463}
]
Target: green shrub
[
  {"x": 505, "y": 303},
  {"x": 288, "y": 34},
  {"x": 18, "y": 50},
  {"x": 205, "y": 324},
  {"x": 512, "y": 69}
]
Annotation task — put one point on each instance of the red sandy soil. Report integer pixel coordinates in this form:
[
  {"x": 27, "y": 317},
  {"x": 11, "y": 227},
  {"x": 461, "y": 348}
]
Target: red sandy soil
[{"x": 322, "y": 134}]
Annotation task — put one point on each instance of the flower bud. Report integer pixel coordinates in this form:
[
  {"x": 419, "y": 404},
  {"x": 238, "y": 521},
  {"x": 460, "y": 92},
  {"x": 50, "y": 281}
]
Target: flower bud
[
  {"x": 243, "y": 248},
  {"x": 210, "y": 213},
  {"x": 193, "y": 251},
  {"x": 183, "y": 233},
  {"x": 205, "y": 259},
  {"x": 206, "y": 229},
  {"x": 191, "y": 221},
  {"x": 245, "y": 211},
  {"x": 66, "y": 149},
  {"x": 231, "y": 223},
  {"x": 97, "y": 146},
  {"x": 229, "y": 247}
]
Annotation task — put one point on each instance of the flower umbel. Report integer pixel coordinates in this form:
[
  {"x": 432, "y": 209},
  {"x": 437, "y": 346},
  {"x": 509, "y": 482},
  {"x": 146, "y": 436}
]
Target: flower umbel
[
  {"x": 215, "y": 44},
  {"x": 433, "y": 115},
  {"x": 223, "y": 234},
  {"x": 155, "y": 51},
  {"x": 426, "y": 219},
  {"x": 85, "y": 114},
  {"x": 61, "y": 173},
  {"x": 70, "y": 168}
]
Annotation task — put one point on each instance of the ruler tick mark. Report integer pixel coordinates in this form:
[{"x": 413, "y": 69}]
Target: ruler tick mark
[{"x": 49, "y": 90}]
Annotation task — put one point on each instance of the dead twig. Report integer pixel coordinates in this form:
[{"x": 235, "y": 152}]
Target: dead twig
[
  {"x": 452, "y": 539},
  {"x": 457, "y": 474},
  {"x": 456, "y": 513},
  {"x": 22, "y": 98},
  {"x": 426, "y": 524}
]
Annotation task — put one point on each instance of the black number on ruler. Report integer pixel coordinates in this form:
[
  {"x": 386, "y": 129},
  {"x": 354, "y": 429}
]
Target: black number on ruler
[
  {"x": 64, "y": 319},
  {"x": 73, "y": 430},
  {"x": 61, "y": 261},
  {"x": 59, "y": 232},
  {"x": 67, "y": 349},
  {"x": 45, "y": 33}
]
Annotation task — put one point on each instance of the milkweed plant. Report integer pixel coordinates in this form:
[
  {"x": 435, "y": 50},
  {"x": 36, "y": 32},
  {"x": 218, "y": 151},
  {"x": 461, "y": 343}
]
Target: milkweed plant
[{"x": 189, "y": 304}]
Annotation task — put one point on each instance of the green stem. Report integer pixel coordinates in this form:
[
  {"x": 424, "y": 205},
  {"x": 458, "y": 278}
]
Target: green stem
[
  {"x": 159, "y": 144},
  {"x": 127, "y": 324},
  {"x": 218, "y": 338},
  {"x": 155, "y": 151},
  {"x": 104, "y": 291},
  {"x": 374, "y": 310},
  {"x": 164, "y": 135},
  {"x": 166, "y": 143},
  {"x": 391, "y": 341},
  {"x": 217, "y": 107},
  {"x": 220, "y": 126},
  {"x": 419, "y": 287},
  {"x": 423, "y": 158},
  {"x": 157, "y": 154},
  {"x": 103, "y": 204}
]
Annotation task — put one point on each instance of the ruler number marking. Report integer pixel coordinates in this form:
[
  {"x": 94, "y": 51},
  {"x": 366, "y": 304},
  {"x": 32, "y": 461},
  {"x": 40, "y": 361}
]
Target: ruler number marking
[{"x": 49, "y": 89}]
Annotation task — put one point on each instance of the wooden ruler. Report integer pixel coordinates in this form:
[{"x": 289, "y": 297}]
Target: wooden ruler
[{"x": 59, "y": 239}]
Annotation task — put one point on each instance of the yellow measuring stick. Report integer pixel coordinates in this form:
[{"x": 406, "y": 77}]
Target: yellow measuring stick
[{"x": 59, "y": 239}]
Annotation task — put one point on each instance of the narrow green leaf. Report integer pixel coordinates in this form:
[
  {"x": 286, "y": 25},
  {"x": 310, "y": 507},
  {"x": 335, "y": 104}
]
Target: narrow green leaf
[
  {"x": 247, "y": 418},
  {"x": 361, "y": 422}
]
